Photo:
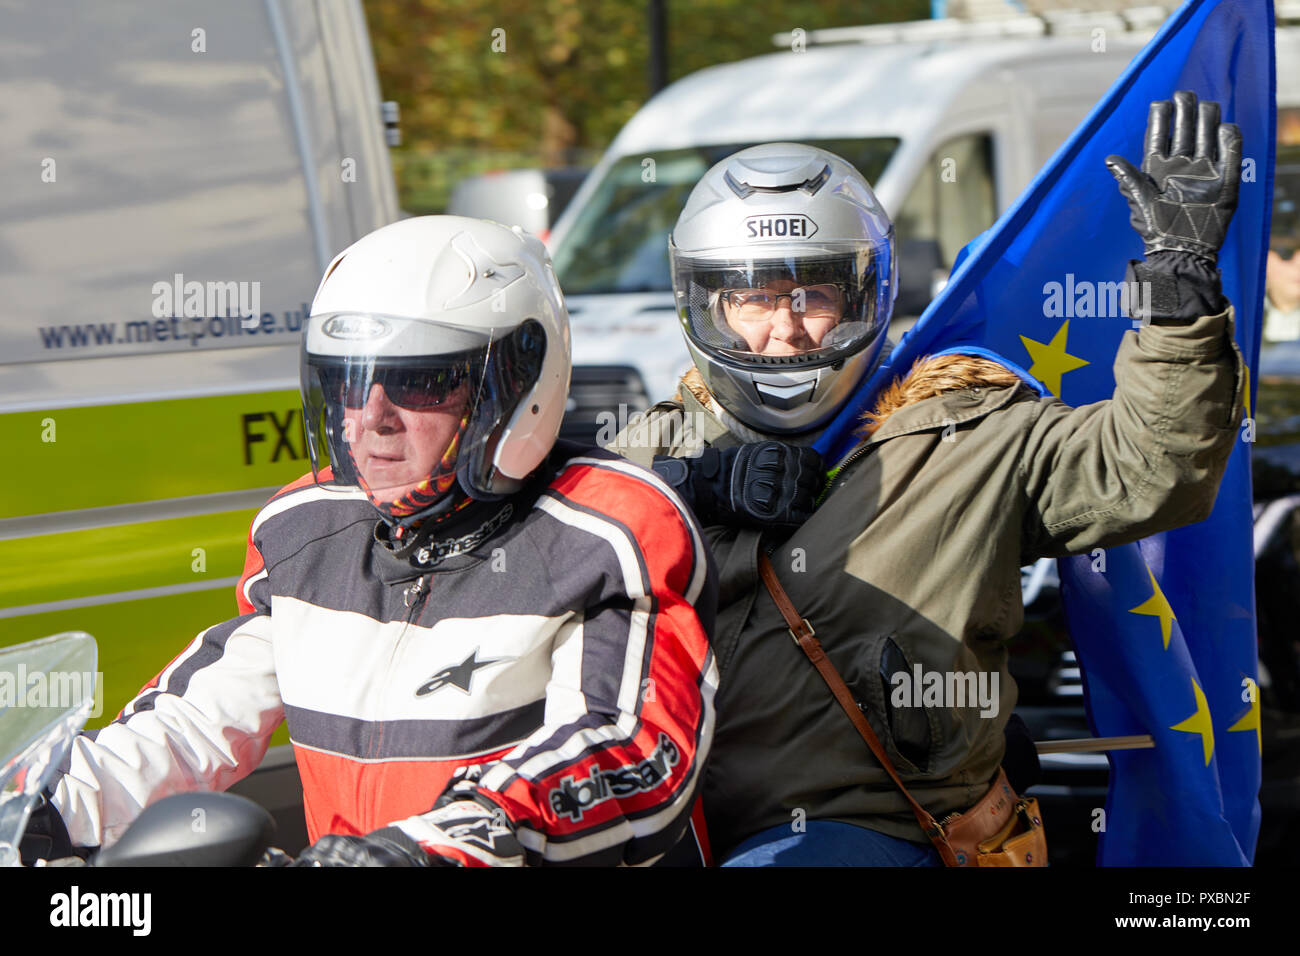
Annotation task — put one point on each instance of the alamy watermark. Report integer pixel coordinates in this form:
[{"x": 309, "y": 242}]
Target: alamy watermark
[
  {"x": 76, "y": 909},
  {"x": 637, "y": 430},
  {"x": 56, "y": 690},
  {"x": 192, "y": 299},
  {"x": 949, "y": 689},
  {"x": 1086, "y": 299}
]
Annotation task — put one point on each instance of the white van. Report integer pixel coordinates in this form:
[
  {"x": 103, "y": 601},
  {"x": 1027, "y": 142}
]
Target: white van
[
  {"x": 169, "y": 167},
  {"x": 948, "y": 131}
]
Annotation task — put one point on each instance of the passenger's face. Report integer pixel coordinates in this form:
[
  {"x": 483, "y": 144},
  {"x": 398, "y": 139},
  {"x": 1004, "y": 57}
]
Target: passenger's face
[
  {"x": 395, "y": 448},
  {"x": 784, "y": 330}
]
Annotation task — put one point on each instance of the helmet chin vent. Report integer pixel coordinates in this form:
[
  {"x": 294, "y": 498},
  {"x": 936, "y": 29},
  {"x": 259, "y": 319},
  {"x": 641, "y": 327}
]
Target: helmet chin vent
[
  {"x": 798, "y": 360},
  {"x": 785, "y": 396}
]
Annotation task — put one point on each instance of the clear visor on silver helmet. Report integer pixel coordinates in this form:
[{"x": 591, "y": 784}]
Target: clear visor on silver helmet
[{"x": 774, "y": 311}]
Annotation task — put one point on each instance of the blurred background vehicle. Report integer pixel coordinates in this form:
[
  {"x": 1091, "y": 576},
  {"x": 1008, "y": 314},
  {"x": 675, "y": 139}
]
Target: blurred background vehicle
[
  {"x": 231, "y": 149},
  {"x": 531, "y": 198},
  {"x": 948, "y": 125}
]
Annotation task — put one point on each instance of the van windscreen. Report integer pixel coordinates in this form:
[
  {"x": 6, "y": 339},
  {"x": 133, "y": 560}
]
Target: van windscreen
[{"x": 619, "y": 241}]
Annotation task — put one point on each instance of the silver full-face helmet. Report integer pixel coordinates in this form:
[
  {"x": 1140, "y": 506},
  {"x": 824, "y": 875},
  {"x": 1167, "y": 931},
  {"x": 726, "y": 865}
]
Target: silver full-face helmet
[{"x": 784, "y": 274}]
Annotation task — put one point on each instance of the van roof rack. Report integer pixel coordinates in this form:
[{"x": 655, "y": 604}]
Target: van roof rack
[{"x": 998, "y": 19}]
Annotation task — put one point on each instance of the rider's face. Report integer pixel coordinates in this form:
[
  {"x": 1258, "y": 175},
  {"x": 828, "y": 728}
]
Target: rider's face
[
  {"x": 396, "y": 448},
  {"x": 785, "y": 331}
]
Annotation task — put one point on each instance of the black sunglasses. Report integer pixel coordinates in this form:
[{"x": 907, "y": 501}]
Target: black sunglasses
[{"x": 412, "y": 389}]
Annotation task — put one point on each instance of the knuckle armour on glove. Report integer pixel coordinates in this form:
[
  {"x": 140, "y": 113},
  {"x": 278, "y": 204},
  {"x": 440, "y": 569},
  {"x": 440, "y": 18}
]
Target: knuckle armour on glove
[
  {"x": 480, "y": 832},
  {"x": 760, "y": 484},
  {"x": 774, "y": 483},
  {"x": 1183, "y": 197},
  {"x": 386, "y": 847}
]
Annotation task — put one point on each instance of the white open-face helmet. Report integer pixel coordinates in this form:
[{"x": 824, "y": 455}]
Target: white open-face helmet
[
  {"x": 435, "y": 316},
  {"x": 784, "y": 272}
]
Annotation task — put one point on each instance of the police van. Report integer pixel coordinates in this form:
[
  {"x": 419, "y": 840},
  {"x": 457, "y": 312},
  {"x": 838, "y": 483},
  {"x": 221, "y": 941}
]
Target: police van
[{"x": 178, "y": 176}]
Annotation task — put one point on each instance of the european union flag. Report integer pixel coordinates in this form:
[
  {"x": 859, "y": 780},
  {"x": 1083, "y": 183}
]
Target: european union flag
[{"x": 1166, "y": 636}]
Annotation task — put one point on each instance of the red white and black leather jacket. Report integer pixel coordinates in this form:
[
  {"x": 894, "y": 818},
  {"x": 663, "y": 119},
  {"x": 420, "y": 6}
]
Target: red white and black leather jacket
[{"x": 566, "y": 657}]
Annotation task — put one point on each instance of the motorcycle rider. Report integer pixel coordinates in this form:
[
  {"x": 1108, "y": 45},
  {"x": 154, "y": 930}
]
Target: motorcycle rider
[
  {"x": 489, "y": 648},
  {"x": 784, "y": 273}
]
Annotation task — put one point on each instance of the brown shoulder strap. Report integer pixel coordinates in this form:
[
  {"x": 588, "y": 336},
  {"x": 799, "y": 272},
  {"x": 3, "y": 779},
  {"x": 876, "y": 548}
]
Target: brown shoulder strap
[{"x": 803, "y": 634}]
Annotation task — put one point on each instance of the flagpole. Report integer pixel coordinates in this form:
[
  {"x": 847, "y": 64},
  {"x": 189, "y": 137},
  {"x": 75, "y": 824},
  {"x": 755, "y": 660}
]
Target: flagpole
[{"x": 1085, "y": 745}]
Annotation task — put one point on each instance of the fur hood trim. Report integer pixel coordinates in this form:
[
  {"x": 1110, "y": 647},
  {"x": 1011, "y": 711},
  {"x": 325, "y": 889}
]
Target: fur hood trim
[{"x": 933, "y": 375}]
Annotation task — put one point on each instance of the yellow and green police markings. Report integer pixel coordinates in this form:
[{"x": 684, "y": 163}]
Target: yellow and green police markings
[
  {"x": 103, "y": 528},
  {"x": 103, "y": 455}
]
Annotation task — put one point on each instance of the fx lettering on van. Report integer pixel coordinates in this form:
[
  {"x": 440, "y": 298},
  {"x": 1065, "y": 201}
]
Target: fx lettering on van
[
  {"x": 281, "y": 433},
  {"x": 780, "y": 227}
]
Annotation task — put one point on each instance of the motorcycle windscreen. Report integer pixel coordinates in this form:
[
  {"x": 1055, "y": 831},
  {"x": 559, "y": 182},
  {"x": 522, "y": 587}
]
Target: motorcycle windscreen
[{"x": 47, "y": 692}]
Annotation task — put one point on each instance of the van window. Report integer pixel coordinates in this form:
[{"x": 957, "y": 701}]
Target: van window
[
  {"x": 953, "y": 200},
  {"x": 619, "y": 242},
  {"x": 1281, "y": 353},
  {"x": 1286, "y": 184}
]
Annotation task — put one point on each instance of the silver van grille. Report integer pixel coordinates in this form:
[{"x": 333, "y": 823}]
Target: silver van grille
[{"x": 601, "y": 399}]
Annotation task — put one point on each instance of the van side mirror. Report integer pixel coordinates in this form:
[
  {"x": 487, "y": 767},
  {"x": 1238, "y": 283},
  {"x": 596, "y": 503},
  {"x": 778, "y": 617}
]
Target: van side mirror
[{"x": 918, "y": 262}]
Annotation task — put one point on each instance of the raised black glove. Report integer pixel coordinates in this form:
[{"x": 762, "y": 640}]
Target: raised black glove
[
  {"x": 1180, "y": 287},
  {"x": 1186, "y": 192},
  {"x": 762, "y": 484},
  {"x": 388, "y": 846}
]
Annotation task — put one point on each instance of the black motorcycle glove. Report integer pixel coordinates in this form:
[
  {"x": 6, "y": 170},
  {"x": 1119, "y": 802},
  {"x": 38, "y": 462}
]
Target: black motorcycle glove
[
  {"x": 46, "y": 836},
  {"x": 1184, "y": 196},
  {"x": 1176, "y": 287},
  {"x": 388, "y": 846},
  {"x": 762, "y": 484},
  {"x": 466, "y": 827}
]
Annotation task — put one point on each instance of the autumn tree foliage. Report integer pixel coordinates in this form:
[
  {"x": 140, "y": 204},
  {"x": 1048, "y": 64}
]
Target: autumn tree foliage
[{"x": 549, "y": 82}]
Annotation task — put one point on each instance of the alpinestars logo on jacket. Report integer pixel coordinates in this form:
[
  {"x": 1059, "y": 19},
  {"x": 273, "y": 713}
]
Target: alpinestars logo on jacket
[{"x": 458, "y": 676}]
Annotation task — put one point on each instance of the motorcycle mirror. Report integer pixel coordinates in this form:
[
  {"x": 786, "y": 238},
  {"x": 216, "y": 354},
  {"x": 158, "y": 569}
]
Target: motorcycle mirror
[{"x": 194, "y": 829}]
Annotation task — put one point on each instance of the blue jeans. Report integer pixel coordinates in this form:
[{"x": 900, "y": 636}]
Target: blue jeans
[{"x": 828, "y": 843}]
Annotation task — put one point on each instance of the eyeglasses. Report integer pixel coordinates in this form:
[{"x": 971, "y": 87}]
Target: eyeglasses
[
  {"x": 814, "y": 302},
  {"x": 412, "y": 389}
]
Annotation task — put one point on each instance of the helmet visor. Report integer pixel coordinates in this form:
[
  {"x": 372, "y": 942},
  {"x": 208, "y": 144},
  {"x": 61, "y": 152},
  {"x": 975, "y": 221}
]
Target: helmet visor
[
  {"x": 782, "y": 311},
  {"x": 401, "y": 421}
]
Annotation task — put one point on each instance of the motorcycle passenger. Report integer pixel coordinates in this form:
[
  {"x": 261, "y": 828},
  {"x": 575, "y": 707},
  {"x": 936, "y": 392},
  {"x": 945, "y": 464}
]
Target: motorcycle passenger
[
  {"x": 489, "y": 648},
  {"x": 784, "y": 275}
]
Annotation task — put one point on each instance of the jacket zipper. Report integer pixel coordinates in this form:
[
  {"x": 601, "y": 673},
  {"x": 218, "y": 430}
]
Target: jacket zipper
[
  {"x": 413, "y": 596},
  {"x": 839, "y": 469}
]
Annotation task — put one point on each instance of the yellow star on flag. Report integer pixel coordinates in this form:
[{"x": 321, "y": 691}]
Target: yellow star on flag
[
  {"x": 1051, "y": 361},
  {"x": 1157, "y": 606},
  {"x": 1250, "y": 720},
  {"x": 1199, "y": 723}
]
